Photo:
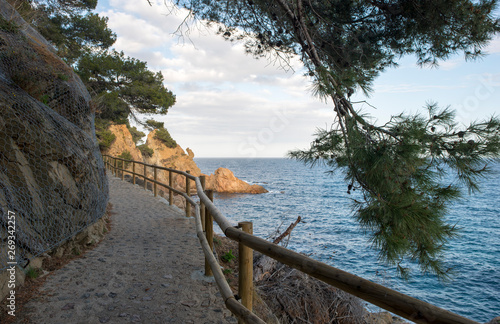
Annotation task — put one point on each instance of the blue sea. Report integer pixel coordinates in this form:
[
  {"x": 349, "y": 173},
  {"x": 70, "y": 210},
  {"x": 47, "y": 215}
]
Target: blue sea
[{"x": 330, "y": 234}]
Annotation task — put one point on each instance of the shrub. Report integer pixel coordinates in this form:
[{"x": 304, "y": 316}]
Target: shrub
[
  {"x": 146, "y": 150},
  {"x": 228, "y": 256},
  {"x": 124, "y": 155},
  {"x": 33, "y": 273},
  {"x": 105, "y": 138},
  {"x": 8, "y": 26},
  {"x": 154, "y": 124},
  {"x": 136, "y": 134},
  {"x": 164, "y": 136}
]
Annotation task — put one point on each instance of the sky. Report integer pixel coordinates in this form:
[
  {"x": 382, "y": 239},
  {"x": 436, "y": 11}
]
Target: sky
[{"x": 232, "y": 105}]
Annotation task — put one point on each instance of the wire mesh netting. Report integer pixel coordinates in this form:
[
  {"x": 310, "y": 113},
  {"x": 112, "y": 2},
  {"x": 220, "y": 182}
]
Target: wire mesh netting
[{"x": 52, "y": 178}]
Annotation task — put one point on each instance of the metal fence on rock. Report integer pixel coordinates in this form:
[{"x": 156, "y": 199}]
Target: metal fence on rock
[{"x": 52, "y": 177}]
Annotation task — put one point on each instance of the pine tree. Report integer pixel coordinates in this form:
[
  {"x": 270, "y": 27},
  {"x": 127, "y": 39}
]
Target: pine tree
[
  {"x": 120, "y": 85},
  {"x": 399, "y": 167}
]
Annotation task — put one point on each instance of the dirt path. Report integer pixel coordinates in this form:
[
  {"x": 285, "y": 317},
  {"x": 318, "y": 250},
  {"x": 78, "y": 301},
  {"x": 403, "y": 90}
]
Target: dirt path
[{"x": 148, "y": 269}]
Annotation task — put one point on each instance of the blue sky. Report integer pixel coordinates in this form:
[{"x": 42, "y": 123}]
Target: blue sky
[{"x": 231, "y": 105}]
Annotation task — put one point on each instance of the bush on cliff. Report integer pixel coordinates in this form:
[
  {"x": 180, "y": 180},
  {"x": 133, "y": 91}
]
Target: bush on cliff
[
  {"x": 154, "y": 124},
  {"x": 164, "y": 136},
  {"x": 136, "y": 134},
  {"x": 105, "y": 138},
  {"x": 124, "y": 155},
  {"x": 146, "y": 150}
]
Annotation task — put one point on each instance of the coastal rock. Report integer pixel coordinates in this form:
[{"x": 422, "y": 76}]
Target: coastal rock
[
  {"x": 223, "y": 180},
  {"x": 496, "y": 320},
  {"x": 174, "y": 158},
  {"x": 123, "y": 142}
]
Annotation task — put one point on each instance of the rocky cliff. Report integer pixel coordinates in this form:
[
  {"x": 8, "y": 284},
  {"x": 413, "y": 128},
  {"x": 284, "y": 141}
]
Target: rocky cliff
[
  {"x": 223, "y": 180},
  {"x": 52, "y": 178},
  {"x": 123, "y": 143}
]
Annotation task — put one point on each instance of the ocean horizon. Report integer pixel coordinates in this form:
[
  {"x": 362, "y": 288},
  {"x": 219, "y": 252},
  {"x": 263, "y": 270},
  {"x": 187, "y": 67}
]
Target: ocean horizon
[{"x": 329, "y": 233}]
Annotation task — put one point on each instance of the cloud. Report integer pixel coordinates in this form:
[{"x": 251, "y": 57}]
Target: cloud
[
  {"x": 494, "y": 46},
  {"x": 230, "y": 104},
  {"x": 412, "y": 88}
]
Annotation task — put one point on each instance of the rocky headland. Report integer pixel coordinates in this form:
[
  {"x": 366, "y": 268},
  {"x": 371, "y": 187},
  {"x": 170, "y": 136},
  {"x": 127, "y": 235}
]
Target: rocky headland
[{"x": 222, "y": 180}]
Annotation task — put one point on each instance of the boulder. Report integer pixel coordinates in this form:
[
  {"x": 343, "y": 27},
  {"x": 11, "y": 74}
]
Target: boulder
[
  {"x": 223, "y": 180},
  {"x": 496, "y": 320}
]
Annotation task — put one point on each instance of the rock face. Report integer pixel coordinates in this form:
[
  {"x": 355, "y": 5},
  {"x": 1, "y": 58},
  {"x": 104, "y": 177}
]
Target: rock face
[
  {"x": 123, "y": 142},
  {"x": 223, "y": 180},
  {"x": 52, "y": 177},
  {"x": 174, "y": 158}
]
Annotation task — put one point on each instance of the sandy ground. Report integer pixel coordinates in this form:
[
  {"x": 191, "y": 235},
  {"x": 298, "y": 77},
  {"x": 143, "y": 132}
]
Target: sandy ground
[{"x": 148, "y": 269}]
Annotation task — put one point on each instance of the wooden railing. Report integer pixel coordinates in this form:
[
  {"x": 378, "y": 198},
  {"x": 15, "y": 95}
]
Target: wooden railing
[{"x": 405, "y": 306}]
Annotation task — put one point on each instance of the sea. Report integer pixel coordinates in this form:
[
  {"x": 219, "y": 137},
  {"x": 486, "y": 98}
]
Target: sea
[{"x": 329, "y": 233}]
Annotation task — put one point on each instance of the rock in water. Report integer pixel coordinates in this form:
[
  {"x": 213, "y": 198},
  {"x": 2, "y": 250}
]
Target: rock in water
[{"x": 223, "y": 180}]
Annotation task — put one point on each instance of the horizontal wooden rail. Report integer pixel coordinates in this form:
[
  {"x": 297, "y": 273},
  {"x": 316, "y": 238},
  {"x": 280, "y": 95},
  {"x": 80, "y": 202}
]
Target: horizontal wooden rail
[{"x": 405, "y": 306}]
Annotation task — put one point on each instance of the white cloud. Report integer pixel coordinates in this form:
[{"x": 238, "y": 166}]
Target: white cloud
[{"x": 229, "y": 104}]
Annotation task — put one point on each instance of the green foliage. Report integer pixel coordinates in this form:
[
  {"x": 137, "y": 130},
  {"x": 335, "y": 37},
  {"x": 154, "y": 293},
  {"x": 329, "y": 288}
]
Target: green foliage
[
  {"x": 122, "y": 83},
  {"x": 45, "y": 99},
  {"x": 163, "y": 135},
  {"x": 105, "y": 138},
  {"x": 119, "y": 84},
  {"x": 33, "y": 273},
  {"x": 228, "y": 256},
  {"x": 8, "y": 26},
  {"x": 124, "y": 155},
  {"x": 401, "y": 170},
  {"x": 153, "y": 124},
  {"x": 73, "y": 30},
  {"x": 136, "y": 134},
  {"x": 63, "y": 77},
  {"x": 146, "y": 150},
  {"x": 227, "y": 271}
]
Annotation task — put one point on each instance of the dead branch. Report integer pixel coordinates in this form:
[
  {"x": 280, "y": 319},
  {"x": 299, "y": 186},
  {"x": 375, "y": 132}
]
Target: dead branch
[{"x": 287, "y": 232}]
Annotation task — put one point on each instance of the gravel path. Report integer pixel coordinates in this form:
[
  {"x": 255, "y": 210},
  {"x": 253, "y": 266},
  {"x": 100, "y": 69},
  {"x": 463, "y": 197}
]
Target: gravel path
[{"x": 148, "y": 269}]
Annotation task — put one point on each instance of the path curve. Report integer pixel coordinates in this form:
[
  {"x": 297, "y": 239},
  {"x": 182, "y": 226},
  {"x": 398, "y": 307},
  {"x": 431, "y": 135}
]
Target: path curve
[{"x": 148, "y": 269}]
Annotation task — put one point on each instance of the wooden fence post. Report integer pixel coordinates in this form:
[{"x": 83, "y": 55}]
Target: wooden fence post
[
  {"x": 123, "y": 170},
  {"x": 145, "y": 181},
  {"x": 245, "y": 277},
  {"x": 115, "y": 168},
  {"x": 188, "y": 192},
  {"x": 209, "y": 232},
  {"x": 155, "y": 190},
  {"x": 170, "y": 192},
  {"x": 202, "y": 206},
  {"x": 133, "y": 171}
]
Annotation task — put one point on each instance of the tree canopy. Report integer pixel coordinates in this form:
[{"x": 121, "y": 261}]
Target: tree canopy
[
  {"x": 120, "y": 85},
  {"x": 399, "y": 167},
  {"x": 124, "y": 83}
]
